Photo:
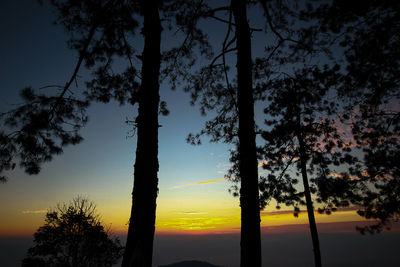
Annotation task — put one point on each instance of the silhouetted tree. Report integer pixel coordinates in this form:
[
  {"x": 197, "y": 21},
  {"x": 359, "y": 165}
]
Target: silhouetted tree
[
  {"x": 367, "y": 33},
  {"x": 295, "y": 44},
  {"x": 302, "y": 139},
  {"x": 234, "y": 106},
  {"x": 46, "y": 122},
  {"x": 102, "y": 31},
  {"x": 139, "y": 244},
  {"x": 73, "y": 236},
  {"x": 366, "y": 92},
  {"x": 233, "y": 102},
  {"x": 297, "y": 125},
  {"x": 250, "y": 242}
]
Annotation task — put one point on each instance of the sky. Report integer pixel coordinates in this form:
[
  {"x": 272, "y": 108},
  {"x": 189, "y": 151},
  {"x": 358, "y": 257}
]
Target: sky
[{"x": 193, "y": 192}]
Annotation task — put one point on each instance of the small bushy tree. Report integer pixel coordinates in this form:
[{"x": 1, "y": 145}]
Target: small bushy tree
[{"x": 73, "y": 236}]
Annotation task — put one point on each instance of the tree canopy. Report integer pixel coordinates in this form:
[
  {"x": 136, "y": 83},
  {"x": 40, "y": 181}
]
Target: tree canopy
[{"x": 73, "y": 236}]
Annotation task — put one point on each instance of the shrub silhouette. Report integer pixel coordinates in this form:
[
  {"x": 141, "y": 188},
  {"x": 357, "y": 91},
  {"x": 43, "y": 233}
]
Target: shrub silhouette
[{"x": 73, "y": 236}]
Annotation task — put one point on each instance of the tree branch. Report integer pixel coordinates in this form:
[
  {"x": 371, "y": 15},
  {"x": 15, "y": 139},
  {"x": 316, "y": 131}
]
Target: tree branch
[
  {"x": 221, "y": 55},
  {"x": 272, "y": 27},
  {"x": 224, "y": 47},
  {"x": 80, "y": 60}
]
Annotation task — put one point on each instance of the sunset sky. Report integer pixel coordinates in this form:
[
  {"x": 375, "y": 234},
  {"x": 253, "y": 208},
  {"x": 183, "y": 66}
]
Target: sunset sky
[{"x": 193, "y": 193}]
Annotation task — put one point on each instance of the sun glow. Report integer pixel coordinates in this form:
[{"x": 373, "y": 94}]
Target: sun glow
[{"x": 223, "y": 215}]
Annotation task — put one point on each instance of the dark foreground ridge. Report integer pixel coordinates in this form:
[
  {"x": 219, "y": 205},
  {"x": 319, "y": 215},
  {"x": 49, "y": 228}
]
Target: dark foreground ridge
[{"x": 190, "y": 264}]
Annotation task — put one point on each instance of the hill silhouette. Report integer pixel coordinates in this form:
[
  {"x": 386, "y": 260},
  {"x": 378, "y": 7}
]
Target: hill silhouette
[{"x": 190, "y": 264}]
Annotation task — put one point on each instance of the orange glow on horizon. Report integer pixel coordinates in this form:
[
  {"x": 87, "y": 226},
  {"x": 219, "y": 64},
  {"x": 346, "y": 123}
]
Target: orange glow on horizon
[
  {"x": 228, "y": 221},
  {"x": 190, "y": 211},
  {"x": 224, "y": 222}
]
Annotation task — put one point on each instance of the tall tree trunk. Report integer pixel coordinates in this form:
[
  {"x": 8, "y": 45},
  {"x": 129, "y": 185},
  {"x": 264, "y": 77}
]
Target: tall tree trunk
[
  {"x": 250, "y": 244},
  {"x": 307, "y": 193},
  {"x": 139, "y": 244}
]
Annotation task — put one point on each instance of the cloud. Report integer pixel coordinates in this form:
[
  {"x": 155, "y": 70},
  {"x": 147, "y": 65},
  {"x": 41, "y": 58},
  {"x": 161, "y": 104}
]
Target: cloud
[
  {"x": 189, "y": 212},
  {"x": 364, "y": 173},
  {"x": 203, "y": 182},
  {"x": 262, "y": 163},
  {"x": 351, "y": 208},
  {"x": 336, "y": 175},
  {"x": 279, "y": 212},
  {"x": 265, "y": 162},
  {"x": 221, "y": 165},
  {"x": 324, "y": 227},
  {"x": 224, "y": 165},
  {"x": 34, "y": 211}
]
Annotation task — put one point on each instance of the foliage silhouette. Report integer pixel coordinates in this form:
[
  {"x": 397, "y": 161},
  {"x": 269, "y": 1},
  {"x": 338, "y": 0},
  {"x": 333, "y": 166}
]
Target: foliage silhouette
[
  {"x": 292, "y": 102},
  {"x": 234, "y": 122},
  {"x": 363, "y": 34},
  {"x": 73, "y": 236},
  {"x": 102, "y": 32},
  {"x": 39, "y": 129},
  {"x": 368, "y": 34},
  {"x": 302, "y": 140}
]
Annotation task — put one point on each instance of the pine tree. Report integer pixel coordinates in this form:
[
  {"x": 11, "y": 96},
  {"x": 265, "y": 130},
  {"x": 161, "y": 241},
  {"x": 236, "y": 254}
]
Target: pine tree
[
  {"x": 233, "y": 104},
  {"x": 250, "y": 242},
  {"x": 139, "y": 244},
  {"x": 40, "y": 128},
  {"x": 367, "y": 34},
  {"x": 302, "y": 140}
]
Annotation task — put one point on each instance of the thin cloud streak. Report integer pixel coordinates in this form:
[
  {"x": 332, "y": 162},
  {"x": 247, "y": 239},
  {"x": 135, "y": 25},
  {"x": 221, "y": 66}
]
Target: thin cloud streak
[
  {"x": 364, "y": 173},
  {"x": 283, "y": 212},
  {"x": 189, "y": 212},
  {"x": 336, "y": 175},
  {"x": 33, "y": 211},
  {"x": 203, "y": 182},
  {"x": 260, "y": 164},
  {"x": 279, "y": 212}
]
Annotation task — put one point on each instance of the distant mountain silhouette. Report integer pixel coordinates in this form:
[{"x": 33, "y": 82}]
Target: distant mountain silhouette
[{"x": 190, "y": 264}]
